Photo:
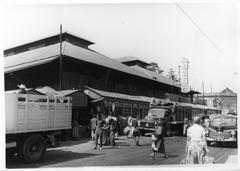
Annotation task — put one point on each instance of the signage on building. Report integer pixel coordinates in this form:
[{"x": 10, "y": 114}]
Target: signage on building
[
  {"x": 184, "y": 76},
  {"x": 127, "y": 104}
]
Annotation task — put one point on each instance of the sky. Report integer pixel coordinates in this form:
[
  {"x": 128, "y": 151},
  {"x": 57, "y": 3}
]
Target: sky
[{"x": 152, "y": 32}]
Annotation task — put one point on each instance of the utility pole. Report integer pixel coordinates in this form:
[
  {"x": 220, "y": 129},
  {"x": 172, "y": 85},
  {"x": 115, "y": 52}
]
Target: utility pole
[
  {"x": 60, "y": 60},
  {"x": 203, "y": 92},
  {"x": 187, "y": 71},
  {"x": 179, "y": 74}
]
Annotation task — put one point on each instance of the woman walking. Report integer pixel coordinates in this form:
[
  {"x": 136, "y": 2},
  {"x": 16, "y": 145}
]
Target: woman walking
[
  {"x": 196, "y": 147},
  {"x": 158, "y": 140}
]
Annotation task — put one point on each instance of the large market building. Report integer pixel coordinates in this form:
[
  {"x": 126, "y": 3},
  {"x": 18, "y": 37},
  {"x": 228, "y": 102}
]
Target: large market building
[{"x": 127, "y": 84}]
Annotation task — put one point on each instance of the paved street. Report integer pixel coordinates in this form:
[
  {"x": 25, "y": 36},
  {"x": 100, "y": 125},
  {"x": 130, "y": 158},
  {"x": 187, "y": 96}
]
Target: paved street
[{"x": 80, "y": 153}]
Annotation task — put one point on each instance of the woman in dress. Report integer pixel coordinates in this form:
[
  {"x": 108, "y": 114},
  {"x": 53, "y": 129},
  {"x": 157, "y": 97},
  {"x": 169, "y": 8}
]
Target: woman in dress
[
  {"x": 158, "y": 140},
  {"x": 196, "y": 147}
]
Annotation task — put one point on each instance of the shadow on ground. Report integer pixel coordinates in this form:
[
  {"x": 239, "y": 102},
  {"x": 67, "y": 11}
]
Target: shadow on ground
[
  {"x": 223, "y": 145},
  {"x": 51, "y": 157},
  {"x": 71, "y": 143}
]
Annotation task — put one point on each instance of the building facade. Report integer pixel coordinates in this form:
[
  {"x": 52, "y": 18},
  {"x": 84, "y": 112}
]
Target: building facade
[
  {"x": 225, "y": 100},
  {"x": 42, "y": 63}
]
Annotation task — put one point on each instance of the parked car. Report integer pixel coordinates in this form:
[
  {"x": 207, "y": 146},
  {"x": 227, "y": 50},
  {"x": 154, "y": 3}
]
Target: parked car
[{"x": 223, "y": 128}]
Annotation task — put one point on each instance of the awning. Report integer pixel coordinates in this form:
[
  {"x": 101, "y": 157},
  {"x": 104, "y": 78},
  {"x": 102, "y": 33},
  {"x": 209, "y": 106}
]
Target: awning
[
  {"x": 93, "y": 95},
  {"x": 96, "y": 94}
]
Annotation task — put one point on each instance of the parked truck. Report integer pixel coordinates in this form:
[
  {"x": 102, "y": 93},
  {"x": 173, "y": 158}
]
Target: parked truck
[{"x": 32, "y": 121}]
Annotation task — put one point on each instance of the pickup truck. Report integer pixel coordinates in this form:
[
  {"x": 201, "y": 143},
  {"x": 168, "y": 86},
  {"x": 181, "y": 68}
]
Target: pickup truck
[{"x": 32, "y": 120}]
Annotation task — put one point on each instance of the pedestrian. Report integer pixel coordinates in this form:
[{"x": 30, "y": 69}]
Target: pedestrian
[
  {"x": 196, "y": 146},
  {"x": 75, "y": 130},
  {"x": 112, "y": 128},
  {"x": 99, "y": 131},
  {"x": 129, "y": 122},
  {"x": 158, "y": 140},
  {"x": 185, "y": 121},
  {"x": 136, "y": 133},
  {"x": 92, "y": 126},
  {"x": 207, "y": 122},
  {"x": 118, "y": 128},
  {"x": 106, "y": 131}
]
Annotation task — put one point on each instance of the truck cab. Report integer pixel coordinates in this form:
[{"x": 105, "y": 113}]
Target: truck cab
[{"x": 155, "y": 114}]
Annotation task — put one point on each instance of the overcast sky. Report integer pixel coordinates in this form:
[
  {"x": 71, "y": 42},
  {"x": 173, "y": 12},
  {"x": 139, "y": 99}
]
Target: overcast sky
[{"x": 158, "y": 32}]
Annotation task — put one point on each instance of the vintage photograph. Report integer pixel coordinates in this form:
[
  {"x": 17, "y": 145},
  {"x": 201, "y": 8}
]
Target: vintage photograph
[{"x": 121, "y": 84}]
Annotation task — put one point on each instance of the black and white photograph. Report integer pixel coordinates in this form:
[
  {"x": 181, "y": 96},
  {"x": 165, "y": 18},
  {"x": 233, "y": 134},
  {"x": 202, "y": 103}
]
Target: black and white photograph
[{"x": 121, "y": 85}]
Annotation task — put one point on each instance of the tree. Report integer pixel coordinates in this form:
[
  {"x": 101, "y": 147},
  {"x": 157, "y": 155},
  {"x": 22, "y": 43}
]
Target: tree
[{"x": 154, "y": 67}]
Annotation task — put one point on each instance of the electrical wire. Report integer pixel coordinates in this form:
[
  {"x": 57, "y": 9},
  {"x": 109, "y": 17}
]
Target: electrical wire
[{"x": 199, "y": 28}]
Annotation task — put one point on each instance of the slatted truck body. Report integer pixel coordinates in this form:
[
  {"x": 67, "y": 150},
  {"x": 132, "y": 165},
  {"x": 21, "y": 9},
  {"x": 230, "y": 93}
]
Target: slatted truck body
[{"x": 31, "y": 120}]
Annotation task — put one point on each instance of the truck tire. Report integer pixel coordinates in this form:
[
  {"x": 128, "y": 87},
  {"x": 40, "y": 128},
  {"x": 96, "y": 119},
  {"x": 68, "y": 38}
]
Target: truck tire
[
  {"x": 142, "y": 132},
  {"x": 33, "y": 148}
]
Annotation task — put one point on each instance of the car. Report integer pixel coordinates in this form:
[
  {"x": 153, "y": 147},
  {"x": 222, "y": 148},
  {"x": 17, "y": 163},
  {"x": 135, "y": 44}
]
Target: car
[{"x": 223, "y": 129}]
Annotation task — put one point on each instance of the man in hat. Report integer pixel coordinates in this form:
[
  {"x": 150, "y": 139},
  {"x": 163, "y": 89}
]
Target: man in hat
[{"x": 22, "y": 89}]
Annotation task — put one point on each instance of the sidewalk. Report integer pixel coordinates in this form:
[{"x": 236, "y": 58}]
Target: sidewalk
[{"x": 232, "y": 159}]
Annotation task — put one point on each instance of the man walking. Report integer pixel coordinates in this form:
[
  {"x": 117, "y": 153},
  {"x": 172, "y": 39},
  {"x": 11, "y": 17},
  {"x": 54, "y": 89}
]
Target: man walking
[
  {"x": 99, "y": 131},
  {"x": 135, "y": 131},
  {"x": 113, "y": 126},
  {"x": 92, "y": 126}
]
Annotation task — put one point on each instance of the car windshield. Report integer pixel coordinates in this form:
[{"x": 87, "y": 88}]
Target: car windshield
[
  {"x": 224, "y": 122},
  {"x": 156, "y": 113}
]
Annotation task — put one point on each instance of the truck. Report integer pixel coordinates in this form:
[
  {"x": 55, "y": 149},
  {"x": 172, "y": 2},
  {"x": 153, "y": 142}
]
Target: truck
[
  {"x": 155, "y": 114},
  {"x": 172, "y": 114},
  {"x": 34, "y": 120},
  {"x": 175, "y": 115}
]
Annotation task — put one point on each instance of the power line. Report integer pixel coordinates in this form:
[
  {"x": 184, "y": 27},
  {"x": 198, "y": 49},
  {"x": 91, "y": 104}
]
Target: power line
[{"x": 199, "y": 28}]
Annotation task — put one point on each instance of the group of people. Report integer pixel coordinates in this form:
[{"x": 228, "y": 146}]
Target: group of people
[
  {"x": 197, "y": 151},
  {"x": 204, "y": 122},
  {"x": 103, "y": 130}
]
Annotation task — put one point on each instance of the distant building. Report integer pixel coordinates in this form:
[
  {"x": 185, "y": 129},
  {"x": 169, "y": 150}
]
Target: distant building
[{"x": 226, "y": 100}]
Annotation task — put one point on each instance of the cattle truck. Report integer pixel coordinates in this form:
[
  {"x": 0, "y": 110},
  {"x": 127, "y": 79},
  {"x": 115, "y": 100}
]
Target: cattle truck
[{"x": 32, "y": 120}]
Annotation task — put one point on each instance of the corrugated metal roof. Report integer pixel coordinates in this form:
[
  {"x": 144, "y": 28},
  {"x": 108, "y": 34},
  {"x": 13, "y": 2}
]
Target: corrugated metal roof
[
  {"x": 28, "y": 91},
  {"x": 156, "y": 76},
  {"x": 31, "y": 58},
  {"x": 67, "y": 92},
  {"x": 96, "y": 58},
  {"x": 46, "y": 54},
  {"x": 119, "y": 95},
  {"x": 48, "y": 91}
]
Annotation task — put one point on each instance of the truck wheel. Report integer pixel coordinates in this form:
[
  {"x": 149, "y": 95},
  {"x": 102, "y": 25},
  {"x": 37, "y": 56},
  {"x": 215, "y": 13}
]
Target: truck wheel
[
  {"x": 142, "y": 133},
  {"x": 34, "y": 148}
]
